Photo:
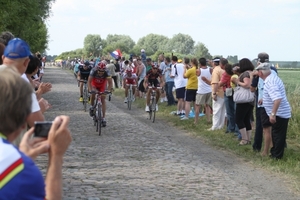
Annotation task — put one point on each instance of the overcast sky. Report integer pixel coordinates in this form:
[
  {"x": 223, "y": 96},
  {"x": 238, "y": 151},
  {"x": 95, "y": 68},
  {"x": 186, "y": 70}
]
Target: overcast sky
[{"x": 226, "y": 27}]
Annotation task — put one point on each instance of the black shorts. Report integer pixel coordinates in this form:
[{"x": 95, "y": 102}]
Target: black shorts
[
  {"x": 265, "y": 119},
  {"x": 153, "y": 82},
  {"x": 141, "y": 86},
  {"x": 180, "y": 92},
  {"x": 190, "y": 95}
]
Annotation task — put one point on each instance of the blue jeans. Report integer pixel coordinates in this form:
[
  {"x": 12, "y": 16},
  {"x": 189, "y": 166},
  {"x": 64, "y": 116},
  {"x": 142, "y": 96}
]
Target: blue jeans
[
  {"x": 230, "y": 112},
  {"x": 169, "y": 87}
]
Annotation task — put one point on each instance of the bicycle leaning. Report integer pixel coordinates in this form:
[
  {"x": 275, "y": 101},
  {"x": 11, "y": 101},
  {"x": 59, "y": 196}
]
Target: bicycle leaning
[
  {"x": 152, "y": 105},
  {"x": 85, "y": 94},
  {"x": 97, "y": 116}
]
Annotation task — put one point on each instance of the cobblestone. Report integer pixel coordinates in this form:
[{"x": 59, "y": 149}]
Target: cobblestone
[{"x": 135, "y": 159}]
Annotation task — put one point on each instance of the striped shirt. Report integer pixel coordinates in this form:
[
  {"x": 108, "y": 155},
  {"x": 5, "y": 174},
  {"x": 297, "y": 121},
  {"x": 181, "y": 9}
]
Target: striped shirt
[{"x": 274, "y": 90}]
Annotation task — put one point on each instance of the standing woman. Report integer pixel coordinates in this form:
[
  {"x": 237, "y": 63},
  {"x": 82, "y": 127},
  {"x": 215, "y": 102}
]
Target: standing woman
[{"x": 244, "y": 110}]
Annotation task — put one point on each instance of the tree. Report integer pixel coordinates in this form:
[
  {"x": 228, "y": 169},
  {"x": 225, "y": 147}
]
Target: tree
[
  {"x": 201, "y": 51},
  {"x": 26, "y": 20},
  {"x": 152, "y": 43},
  {"x": 93, "y": 45},
  {"x": 232, "y": 59},
  {"x": 181, "y": 43},
  {"x": 122, "y": 42}
]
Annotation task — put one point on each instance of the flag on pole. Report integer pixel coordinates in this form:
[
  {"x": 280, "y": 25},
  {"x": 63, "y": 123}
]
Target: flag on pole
[{"x": 116, "y": 54}]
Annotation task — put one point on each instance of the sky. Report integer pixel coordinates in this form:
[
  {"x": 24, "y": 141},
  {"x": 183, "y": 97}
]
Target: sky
[{"x": 226, "y": 27}]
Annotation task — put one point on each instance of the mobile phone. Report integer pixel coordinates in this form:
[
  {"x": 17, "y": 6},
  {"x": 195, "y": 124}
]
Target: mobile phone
[{"x": 41, "y": 129}]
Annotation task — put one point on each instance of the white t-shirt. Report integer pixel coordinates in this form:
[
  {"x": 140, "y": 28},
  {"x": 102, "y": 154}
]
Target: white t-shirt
[
  {"x": 177, "y": 71},
  {"x": 35, "y": 104},
  {"x": 204, "y": 88}
]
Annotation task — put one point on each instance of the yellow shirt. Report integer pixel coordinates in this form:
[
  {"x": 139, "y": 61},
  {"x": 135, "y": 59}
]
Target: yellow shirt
[
  {"x": 233, "y": 85},
  {"x": 192, "y": 82},
  {"x": 215, "y": 79}
]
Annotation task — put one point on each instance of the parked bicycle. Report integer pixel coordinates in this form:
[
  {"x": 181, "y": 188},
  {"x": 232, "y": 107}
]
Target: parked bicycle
[
  {"x": 152, "y": 106},
  {"x": 97, "y": 117},
  {"x": 85, "y": 94}
]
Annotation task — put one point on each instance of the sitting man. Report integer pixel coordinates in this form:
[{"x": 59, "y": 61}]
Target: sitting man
[
  {"x": 151, "y": 79},
  {"x": 83, "y": 74},
  {"x": 98, "y": 79},
  {"x": 20, "y": 177},
  {"x": 129, "y": 78}
]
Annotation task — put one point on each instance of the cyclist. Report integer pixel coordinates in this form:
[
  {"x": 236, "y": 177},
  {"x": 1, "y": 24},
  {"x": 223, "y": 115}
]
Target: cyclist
[
  {"x": 98, "y": 79},
  {"x": 129, "y": 78},
  {"x": 151, "y": 79},
  {"x": 83, "y": 74}
]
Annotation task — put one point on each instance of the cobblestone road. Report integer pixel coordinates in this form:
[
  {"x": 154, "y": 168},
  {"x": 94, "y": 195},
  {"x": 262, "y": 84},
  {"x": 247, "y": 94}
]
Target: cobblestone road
[{"x": 135, "y": 160}]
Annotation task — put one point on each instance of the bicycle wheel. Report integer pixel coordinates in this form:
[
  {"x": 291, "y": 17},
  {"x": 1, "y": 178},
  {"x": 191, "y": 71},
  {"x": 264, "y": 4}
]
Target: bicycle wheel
[
  {"x": 99, "y": 118},
  {"x": 129, "y": 101},
  {"x": 153, "y": 108},
  {"x": 85, "y": 99}
]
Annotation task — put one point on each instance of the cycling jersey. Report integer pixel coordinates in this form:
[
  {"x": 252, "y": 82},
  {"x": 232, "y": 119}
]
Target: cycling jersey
[
  {"x": 84, "y": 74},
  {"x": 19, "y": 176},
  {"x": 100, "y": 77},
  {"x": 152, "y": 77},
  {"x": 130, "y": 79}
]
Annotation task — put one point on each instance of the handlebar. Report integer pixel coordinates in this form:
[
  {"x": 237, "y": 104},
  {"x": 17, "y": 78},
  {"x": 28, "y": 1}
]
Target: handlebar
[
  {"x": 152, "y": 87},
  {"x": 97, "y": 92}
]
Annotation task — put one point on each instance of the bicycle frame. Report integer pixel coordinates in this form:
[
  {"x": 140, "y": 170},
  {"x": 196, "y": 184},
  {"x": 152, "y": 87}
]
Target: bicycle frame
[
  {"x": 130, "y": 97},
  {"x": 152, "y": 106}
]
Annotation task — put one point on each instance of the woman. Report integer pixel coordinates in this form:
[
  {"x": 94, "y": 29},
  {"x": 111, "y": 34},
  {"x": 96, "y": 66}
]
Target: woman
[{"x": 244, "y": 110}]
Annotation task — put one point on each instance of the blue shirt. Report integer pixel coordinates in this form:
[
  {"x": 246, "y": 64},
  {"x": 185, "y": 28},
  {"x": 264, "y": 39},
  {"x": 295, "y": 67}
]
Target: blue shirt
[
  {"x": 27, "y": 181},
  {"x": 167, "y": 72}
]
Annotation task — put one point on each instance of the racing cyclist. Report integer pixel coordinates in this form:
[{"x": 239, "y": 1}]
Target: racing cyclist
[
  {"x": 83, "y": 74},
  {"x": 151, "y": 79},
  {"x": 129, "y": 78},
  {"x": 98, "y": 79}
]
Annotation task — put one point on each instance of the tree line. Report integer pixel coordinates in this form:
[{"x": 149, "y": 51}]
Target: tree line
[
  {"x": 26, "y": 20},
  {"x": 181, "y": 45}
]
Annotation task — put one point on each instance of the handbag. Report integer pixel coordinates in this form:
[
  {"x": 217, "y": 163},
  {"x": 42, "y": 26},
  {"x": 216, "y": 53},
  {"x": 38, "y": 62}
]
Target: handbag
[
  {"x": 228, "y": 92},
  {"x": 243, "y": 95}
]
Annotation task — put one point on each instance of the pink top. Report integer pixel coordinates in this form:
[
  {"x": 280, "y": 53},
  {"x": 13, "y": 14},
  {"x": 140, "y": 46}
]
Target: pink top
[{"x": 225, "y": 79}]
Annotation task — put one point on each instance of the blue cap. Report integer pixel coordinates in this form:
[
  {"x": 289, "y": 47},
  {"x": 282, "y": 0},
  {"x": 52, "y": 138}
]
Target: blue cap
[{"x": 17, "y": 48}]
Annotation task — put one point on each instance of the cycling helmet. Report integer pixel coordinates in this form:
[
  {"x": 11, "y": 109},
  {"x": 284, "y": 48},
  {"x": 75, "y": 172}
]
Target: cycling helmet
[
  {"x": 101, "y": 65},
  {"x": 86, "y": 63}
]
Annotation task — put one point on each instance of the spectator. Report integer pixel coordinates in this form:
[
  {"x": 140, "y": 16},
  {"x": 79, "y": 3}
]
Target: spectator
[
  {"x": 148, "y": 64},
  {"x": 17, "y": 54},
  {"x": 225, "y": 82},
  {"x": 244, "y": 110},
  {"x": 24, "y": 180},
  {"x": 2, "y": 47},
  {"x": 169, "y": 81},
  {"x": 203, "y": 96},
  {"x": 191, "y": 86},
  {"x": 117, "y": 80},
  {"x": 5, "y": 37},
  {"x": 143, "y": 56},
  {"x": 141, "y": 73},
  {"x": 218, "y": 95},
  {"x": 112, "y": 68},
  {"x": 277, "y": 108},
  {"x": 177, "y": 72}
]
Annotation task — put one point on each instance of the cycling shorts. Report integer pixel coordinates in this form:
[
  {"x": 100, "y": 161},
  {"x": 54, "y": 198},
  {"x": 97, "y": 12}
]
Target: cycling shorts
[{"x": 131, "y": 81}]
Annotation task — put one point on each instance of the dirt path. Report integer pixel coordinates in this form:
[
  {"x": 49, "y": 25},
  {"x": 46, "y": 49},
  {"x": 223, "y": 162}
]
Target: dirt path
[{"x": 134, "y": 159}]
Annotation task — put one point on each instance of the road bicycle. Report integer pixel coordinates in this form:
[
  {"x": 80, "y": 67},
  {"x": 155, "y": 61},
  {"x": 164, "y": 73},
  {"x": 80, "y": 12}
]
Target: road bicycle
[
  {"x": 85, "y": 94},
  {"x": 152, "y": 106},
  {"x": 97, "y": 116},
  {"x": 130, "y": 97}
]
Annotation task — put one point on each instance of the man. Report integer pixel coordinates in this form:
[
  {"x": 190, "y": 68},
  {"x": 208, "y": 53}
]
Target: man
[
  {"x": 143, "y": 56},
  {"x": 169, "y": 81},
  {"x": 112, "y": 69},
  {"x": 20, "y": 177},
  {"x": 218, "y": 94},
  {"x": 117, "y": 71},
  {"x": 129, "y": 78},
  {"x": 5, "y": 37},
  {"x": 151, "y": 79},
  {"x": 83, "y": 74},
  {"x": 98, "y": 79},
  {"x": 141, "y": 73},
  {"x": 177, "y": 72},
  {"x": 148, "y": 64},
  {"x": 17, "y": 54},
  {"x": 277, "y": 108}
]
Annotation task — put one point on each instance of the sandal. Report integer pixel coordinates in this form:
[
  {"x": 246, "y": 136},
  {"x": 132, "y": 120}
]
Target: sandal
[{"x": 243, "y": 142}]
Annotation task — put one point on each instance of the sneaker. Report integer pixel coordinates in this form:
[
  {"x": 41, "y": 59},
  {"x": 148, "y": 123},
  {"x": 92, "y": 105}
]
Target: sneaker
[
  {"x": 161, "y": 100},
  {"x": 81, "y": 99},
  {"x": 156, "y": 107},
  {"x": 103, "y": 123},
  {"x": 166, "y": 99},
  {"x": 125, "y": 100},
  {"x": 133, "y": 99},
  {"x": 184, "y": 118},
  {"x": 147, "y": 109},
  {"x": 91, "y": 111}
]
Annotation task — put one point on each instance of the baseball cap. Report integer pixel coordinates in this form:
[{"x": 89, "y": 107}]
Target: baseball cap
[
  {"x": 17, "y": 48},
  {"x": 179, "y": 60},
  {"x": 263, "y": 57},
  {"x": 263, "y": 66}
]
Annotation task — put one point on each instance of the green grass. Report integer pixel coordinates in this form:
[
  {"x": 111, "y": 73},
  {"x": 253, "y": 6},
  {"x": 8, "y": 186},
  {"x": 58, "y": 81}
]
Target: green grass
[{"x": 288, "y": 167}]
